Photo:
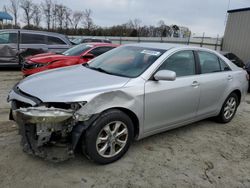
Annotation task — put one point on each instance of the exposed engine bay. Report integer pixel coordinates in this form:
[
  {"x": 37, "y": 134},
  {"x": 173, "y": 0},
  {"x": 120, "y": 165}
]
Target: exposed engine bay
[{"x": 50, "y": 131}]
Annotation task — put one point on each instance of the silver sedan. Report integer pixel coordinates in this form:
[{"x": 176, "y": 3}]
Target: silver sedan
[{"x": 131, "y": 92}]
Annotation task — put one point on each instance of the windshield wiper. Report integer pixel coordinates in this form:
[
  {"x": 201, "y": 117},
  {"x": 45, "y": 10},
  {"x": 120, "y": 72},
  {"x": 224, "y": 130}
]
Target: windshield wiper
[
  {"x": 99, "y": 69},
  {"x": 95, "y": 68},
  {"x": 85, "y": 64}
]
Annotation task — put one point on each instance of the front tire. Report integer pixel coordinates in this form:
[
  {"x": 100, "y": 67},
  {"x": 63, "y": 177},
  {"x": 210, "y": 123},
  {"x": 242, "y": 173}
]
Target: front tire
[
  {"x": 109, "y": 137},
  {"x": 228, "y": 109}
]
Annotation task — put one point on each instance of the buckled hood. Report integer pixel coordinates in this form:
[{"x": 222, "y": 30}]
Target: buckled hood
[{"x": 70, "y": 84}]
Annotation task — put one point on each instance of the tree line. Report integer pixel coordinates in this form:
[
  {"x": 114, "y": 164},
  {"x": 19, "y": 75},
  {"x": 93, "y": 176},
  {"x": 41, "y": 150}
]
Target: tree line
[{"x": 51, "y": 16}]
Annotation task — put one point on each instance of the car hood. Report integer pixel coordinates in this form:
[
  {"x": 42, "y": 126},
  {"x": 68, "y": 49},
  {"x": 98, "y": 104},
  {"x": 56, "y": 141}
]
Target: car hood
[
  {"x": 50, "y": 58},
  {"x": 70, "y": 84}
]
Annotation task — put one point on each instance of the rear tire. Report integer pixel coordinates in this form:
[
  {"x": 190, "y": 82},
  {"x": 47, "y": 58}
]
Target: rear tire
[
  {"x": 228, "y": 109},
  {"x": 109, "y": 137}
]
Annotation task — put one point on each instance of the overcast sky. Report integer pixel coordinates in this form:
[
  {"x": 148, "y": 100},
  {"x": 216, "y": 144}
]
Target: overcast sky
[{"x": 199, "y": 15}]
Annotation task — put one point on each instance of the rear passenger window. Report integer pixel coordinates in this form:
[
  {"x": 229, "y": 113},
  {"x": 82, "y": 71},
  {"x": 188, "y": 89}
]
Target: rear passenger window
[
  {"x": 182, "y": 63},
  {"x": 96, "y": 40},
  {"x": 27, "y": 38},
  {"x": 209, "y": 62},
  {"x": 224, "y": 66},
  {"x": 54, "y": 41}
]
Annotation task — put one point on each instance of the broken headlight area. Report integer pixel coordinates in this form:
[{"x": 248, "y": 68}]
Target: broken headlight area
[
  {"x": 47, "y": 130},
  {"x": 32, "y": 65}
]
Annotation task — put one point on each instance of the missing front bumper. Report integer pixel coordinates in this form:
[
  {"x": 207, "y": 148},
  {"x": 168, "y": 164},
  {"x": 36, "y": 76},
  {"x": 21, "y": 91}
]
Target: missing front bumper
[
  {"x": 50, "y": 133},
  {"x": 46, "y": 132},
  {"x": 55, "y": 152}
]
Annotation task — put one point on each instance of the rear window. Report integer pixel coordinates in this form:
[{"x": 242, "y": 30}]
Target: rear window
[
  {"x": 27, "y": 38},
  {"x": 77, "y": 50},
  {"x": 209, "y": 62},
  {"x": 55, "y": 40},
  {"x": 7, "y": 38}
]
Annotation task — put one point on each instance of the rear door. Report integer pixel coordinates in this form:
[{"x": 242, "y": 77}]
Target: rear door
[
  {"x": 214, "y": 81},
  {"x": 56, "y": 44},
  {"x": 8, "y": 48},
  {"x": 34, "y": 41}
]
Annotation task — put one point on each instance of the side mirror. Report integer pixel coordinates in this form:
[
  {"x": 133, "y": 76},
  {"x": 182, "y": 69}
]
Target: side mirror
[
  {"x": 166, "y": 75},
  {"x": 88, "y": 56}
]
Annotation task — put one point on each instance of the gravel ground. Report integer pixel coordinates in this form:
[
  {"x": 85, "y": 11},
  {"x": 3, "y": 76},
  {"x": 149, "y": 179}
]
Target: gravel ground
[{"x": 203, "y": 154}]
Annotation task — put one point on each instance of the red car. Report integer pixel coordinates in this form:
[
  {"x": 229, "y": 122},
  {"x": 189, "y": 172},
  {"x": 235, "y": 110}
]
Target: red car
[{"x": 79, "y": 54}]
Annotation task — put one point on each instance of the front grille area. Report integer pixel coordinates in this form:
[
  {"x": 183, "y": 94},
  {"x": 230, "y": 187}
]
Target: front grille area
[{"x": 19, "y": 104}]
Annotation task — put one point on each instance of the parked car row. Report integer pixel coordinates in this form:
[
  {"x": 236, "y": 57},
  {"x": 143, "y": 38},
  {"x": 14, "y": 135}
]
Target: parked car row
[
  {"x": 14, "y": 41},
  {"x": 17, "y": 40},
  {"x": 79, "y": 54},
  {"x": 88, "y": 40}
]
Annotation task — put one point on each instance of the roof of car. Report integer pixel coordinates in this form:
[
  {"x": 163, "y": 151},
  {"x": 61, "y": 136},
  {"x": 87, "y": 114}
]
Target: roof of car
[
  {"x": 101, "y": 44},
  {"x": 163, "y": 46},
  {"x": 224, "y": 52},
  {"x": 31, "y": 31},
  {"x": 95, "y": 38}
]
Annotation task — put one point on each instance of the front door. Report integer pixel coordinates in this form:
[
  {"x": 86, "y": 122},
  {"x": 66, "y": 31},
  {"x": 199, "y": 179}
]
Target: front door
[{"x": 170, "y": 102}]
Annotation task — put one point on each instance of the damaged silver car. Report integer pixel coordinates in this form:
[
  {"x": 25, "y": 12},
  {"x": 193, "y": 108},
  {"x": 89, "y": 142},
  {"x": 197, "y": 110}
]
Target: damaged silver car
[{"x": 131, "y": 92}]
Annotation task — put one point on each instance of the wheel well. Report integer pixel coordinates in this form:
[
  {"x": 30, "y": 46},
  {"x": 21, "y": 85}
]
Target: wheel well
[
  {"x": 133, "y": 117},
  {"x": 238, "y": 93}
]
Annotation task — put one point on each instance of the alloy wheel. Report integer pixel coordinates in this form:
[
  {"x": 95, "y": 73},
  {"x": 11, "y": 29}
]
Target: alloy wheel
[
  {"x": 112, "y": 139},
  {"x": 230, "y": 108}
]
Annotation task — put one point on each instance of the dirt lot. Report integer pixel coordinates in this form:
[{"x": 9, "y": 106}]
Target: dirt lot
[{"x": 204, "y": 154}]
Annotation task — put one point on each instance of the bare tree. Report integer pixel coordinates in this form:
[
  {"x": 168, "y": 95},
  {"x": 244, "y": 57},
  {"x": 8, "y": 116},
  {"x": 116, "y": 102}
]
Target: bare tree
[
  {"x": 13, "y": 8},
  {"x": 60, "y": 14},
  {"x": 162, "y": 28},
  {"x": 88, "y": 21},
  {"x": 67, "y": 20},
  {"x": 5, "y": 9},
  {"x": 135, "y": 25},
  {"x": 37, "y": 16},
  {"x": 76, "y": 18},
  {"x": 54, "y": 16},
  {"x": 27, "y": 6},
  {"x": 47, "y": 11}
]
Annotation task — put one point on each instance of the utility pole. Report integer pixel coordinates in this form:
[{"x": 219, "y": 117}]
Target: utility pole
[{"x": 228, "y": 7}]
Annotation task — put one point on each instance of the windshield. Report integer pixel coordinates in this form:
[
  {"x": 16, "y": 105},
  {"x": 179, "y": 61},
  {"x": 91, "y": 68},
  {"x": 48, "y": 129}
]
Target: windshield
[
  {"x": 77, "y": 50},
  {"x": 77, "y": 41},
  {"x": 127, "y": 61}
]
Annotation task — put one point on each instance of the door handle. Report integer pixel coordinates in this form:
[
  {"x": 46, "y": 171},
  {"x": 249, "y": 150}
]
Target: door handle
[
  {"x": 229, "y": 77},
  {"x": 195, "y": 84}
]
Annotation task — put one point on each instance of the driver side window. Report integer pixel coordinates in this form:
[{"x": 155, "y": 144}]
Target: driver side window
[{"x": 182, "y": 63}]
